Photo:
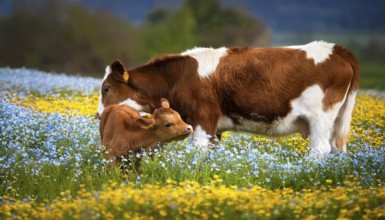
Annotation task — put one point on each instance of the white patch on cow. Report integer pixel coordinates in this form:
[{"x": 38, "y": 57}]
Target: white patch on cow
[
  {"x": 100, "y": 106},
  {"x": 133, "y": 104},
  {"x": 201, "y": 138},
  {"x": 319, "y": 51},
  {"x": 107, "y": 72},
  {"x": 208, "y": 59}
]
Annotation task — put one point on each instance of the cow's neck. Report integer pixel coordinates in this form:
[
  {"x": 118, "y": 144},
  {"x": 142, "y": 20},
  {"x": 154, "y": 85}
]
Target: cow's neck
[{"x": 158, "y": 78}]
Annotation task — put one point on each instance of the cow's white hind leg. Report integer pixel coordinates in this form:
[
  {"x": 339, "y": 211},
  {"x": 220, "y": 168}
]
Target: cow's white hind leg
[
  {"x": 321, "y": 130},
  {"x": 310, "y": 107}
]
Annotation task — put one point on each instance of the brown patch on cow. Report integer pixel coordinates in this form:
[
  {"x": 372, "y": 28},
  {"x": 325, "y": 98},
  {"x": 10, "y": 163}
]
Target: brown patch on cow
[
  {"x": 342, "y": 68},
  {"x": 163, "y": 58},
  {"x": 257, "y": 87},
  {"x": 249, "y": 88},
  {"x": 338, "y": 81},
  {"x": 349, "y": 57}
]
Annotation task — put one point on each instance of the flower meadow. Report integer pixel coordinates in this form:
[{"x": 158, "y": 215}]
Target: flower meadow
[{"x": 52, "y": 168}]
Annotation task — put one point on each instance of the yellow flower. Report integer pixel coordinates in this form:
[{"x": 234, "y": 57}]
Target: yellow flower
[
  {"x": 83, "y": 105},
  {"x": 163, "y": 213},
  {"x": 226, "y": 134}
]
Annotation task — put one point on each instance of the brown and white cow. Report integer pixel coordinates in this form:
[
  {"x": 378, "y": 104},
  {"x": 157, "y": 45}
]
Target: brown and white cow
[
  {"x": 122, "y": 129},
  {"x": 308, "y": 89}
]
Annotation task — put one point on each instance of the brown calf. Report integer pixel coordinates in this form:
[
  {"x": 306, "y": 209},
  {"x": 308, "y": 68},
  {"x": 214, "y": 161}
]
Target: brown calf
[{"x": 122, "y": 129}]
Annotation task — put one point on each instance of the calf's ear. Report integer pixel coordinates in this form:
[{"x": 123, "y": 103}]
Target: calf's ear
[
  {"x": 164, "y": 103},
  {"x": 145, "y": 123},
  {"x": 118, "y": 72}
]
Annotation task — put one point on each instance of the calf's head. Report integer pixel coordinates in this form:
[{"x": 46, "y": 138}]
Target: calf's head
[{"x": 166, "y": 123}]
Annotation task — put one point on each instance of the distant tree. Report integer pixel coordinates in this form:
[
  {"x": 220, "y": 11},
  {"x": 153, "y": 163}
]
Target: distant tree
[
  {"x": 54, "y": 35},
  {"x": 158, "y": 16},
  {"x": 206, "y": 12},
  {"x": 51, "y": 36},
  {"x": 217, "y": 26},
  {"x": 97, "y": 39},
  {"x": 173, "y": 35},
  {"x": 52, "y": 10},
  {"x": 18, "y": 36},
  {"x": 199, "y": 23}
]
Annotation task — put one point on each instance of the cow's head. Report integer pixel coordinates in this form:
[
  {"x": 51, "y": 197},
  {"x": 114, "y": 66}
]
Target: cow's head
[
  {"x": 117, "y": 89},
  {"x": 166, "y": 123}
]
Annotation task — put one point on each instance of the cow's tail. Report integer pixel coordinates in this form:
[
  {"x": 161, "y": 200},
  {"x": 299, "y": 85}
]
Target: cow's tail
[{"x": 342, "y": 124}]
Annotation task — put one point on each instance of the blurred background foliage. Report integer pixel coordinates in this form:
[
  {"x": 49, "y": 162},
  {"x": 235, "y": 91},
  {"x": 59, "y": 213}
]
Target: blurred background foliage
[
  {"x": 55, "y": 35},
  {"x": 83, "y": 36}
]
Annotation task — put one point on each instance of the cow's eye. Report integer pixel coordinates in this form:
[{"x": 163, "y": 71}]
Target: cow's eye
[
  {"x": 106, "y": 89},
  {"x": 169, "y": 125}
]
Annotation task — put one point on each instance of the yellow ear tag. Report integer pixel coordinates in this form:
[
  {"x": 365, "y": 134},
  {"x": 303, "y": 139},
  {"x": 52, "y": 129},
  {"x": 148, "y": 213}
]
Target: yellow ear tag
[{"x": 125, "y": 76}]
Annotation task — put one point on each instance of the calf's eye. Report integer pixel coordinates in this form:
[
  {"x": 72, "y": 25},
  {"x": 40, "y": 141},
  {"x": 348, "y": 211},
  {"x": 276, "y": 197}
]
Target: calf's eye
[
  {"x": 106, "y": 89},
  {"x": 169, "y": 125}
]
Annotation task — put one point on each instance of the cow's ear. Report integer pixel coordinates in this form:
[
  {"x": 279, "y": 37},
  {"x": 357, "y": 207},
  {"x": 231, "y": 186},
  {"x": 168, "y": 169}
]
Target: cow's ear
[
  {"x": 145, "y": 122},
  {"x": 117, "y": 66},
  {"x": 118, "y": 72},
  {"x": 164, "y": 103}
]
